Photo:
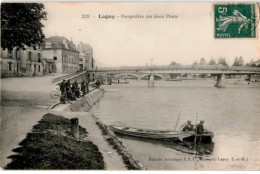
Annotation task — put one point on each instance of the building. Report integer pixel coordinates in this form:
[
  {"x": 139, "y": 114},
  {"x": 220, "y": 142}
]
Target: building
[
  {"x": 20, "y": 62},
  {"x": 257, "y": 63},
  {"x": 86, "y": 56},
  {"x": 62, "y": 53},
  {"x": 82, "y": 61}
]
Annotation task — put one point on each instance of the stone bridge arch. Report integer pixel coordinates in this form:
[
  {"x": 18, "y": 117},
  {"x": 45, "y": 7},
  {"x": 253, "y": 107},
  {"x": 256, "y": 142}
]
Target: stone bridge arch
[
  {"x": 130, "y": 74},
  {"x": 156, "y": 75}
]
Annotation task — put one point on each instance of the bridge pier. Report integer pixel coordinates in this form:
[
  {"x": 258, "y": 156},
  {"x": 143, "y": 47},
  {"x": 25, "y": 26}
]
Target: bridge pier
[
  {"x": 220, "y": 81},
  {"x": 166, "y": 77},
  {"x": 151, "y": 81},
  {"x": 248, "y": 77}
]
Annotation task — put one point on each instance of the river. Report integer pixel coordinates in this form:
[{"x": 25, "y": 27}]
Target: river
[{"x": 232, "y": 113}]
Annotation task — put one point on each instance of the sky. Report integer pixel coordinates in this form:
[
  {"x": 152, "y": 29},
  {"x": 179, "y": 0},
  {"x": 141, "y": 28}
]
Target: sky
[{"x": 134, "y": 42}]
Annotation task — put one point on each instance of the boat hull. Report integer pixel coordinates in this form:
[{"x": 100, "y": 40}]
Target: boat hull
[
  {"x": 162, "y": 135},
  {"x": 204, "y": 138}
]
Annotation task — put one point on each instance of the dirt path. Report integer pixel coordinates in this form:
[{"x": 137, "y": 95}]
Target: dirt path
[{"x": 112, "y": 159}]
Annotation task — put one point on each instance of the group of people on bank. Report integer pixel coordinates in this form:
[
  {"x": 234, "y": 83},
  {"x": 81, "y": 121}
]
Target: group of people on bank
[
  {"x": 188, "y": 127},
  {"x": 69, "y": 92}
]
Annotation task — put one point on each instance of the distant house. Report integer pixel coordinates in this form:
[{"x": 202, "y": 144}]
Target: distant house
[
  {"x": 20, "y": 62},
  {"x": 257, "y": 63},
  {"x": 253, "y": 64},
  {"x": 86, "y": 55},
  {"x": 62, "y": 53},
  {"x": 82, "y": 61}
]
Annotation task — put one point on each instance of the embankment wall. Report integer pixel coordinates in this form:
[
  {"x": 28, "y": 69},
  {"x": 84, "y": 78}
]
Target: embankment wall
[{"x": 84, "y": 104}]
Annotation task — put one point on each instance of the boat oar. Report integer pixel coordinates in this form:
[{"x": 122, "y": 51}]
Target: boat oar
[
  {"x": 177, "y": 121},
  {"x": 195, "y": 139}
]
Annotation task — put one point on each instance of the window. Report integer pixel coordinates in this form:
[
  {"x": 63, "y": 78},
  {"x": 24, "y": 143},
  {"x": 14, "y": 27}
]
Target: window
[
  {"x": 39, "y": 57},
  {"x": 39, "y": 68},
  {"x": 54, "y": 58},
  {"x": 10, "y": 54},
  {"x": 10, "y": 66},
  {"x": 17, "y": 54},
  {"x": 28, "y": 67},
  {"x": 29, "y": 55}
]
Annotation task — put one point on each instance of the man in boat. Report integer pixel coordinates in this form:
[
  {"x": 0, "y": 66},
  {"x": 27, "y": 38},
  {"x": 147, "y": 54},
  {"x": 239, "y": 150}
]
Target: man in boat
[
  {"x": 200, "y": 127},
  {"x": 187, "y": 126}
]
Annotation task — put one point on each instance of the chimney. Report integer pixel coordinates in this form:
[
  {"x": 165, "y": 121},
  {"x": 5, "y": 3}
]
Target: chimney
[
  {"x": 65, "y": 43},
  {"x": 48, "y": 44}
]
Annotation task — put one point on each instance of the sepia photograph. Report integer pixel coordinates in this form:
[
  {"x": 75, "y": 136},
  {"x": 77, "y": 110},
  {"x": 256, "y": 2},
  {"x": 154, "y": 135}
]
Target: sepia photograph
[{"x": 117, "y": 86}]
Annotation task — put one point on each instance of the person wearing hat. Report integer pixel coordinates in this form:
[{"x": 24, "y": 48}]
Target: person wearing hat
[
  {"x": 200, "y": 128},
  {"x": 62, "y": 87},
  {"x": 188, "y": 126}
]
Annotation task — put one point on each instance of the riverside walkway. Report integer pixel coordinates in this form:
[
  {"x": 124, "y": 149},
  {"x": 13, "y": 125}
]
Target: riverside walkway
[{"x": 24, "y": 101}]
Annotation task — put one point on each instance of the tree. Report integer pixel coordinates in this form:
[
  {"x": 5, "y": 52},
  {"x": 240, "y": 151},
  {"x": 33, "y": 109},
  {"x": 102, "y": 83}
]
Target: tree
[
  {"x": 21, "y": 25},
  {"x": 174, "y": 63},
  {"x": 195, "y": 63},
  {"x": 212, "y": 62},
  {"x": 202, "y": 61},
  {"x": 241, "y": 61},
  {"x": 238, "y": 61},
  {"x": 222, "y": 61}
]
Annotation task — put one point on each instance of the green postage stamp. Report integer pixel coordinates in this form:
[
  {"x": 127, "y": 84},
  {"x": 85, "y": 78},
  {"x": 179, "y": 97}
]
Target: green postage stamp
[{"x": 235, "y": 20}]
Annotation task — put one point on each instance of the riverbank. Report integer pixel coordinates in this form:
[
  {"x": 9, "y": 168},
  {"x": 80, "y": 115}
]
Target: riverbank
[
  {"x": 23, "y": 103},
  {"x": 116, "y": 156},
  {"x": 50, "y": 145}
]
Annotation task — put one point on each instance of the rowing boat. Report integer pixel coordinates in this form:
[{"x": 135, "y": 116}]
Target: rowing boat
[
  {"x": 162, "y": 135},
  {"x": 120, "y": 82}
]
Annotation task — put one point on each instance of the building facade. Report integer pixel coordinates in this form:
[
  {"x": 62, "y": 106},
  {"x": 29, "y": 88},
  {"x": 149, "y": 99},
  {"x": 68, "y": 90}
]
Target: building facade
[
  {"x": 20, "y": 62},
  {"x": 62, "y": 53},
  {"x": 86, "y": 56}
]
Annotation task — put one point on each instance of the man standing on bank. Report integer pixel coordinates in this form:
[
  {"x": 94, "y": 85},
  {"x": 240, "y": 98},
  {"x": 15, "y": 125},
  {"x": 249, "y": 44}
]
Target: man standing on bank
[
  {"x": 67, "y": 84},
  {"x": 83, "y": 87},
  {"x": 62, "y": 87}
]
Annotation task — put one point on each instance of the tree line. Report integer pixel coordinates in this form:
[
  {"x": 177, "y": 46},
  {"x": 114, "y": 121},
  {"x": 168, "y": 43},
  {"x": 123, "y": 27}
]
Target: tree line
[{"x": 238, "y": 61}]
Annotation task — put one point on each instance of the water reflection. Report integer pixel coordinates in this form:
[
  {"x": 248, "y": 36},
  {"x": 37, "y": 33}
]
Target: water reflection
[{"x": 200, "y": 150}]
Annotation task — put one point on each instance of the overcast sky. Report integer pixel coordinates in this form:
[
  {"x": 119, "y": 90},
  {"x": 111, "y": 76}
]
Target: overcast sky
[{"x": 125, "y": 42}]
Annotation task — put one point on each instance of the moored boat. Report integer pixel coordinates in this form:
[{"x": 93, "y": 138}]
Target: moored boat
[
  {"x": 163, "y": 135},
  {"x": 120, "y": 82}
]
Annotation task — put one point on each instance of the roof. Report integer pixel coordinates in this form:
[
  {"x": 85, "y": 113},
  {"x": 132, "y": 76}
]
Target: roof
[
  {"x": 57, "y": 42},
  {"x": 85, "y": 48},
  {"x": 82, "y": 54},
  {"x": 257, "y": 62}
]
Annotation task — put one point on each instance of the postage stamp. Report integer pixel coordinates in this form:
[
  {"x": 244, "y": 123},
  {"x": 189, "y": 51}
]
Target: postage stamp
[{"x": 235, "y": 20}]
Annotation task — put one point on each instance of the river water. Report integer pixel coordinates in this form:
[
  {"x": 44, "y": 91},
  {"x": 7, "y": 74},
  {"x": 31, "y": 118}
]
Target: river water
[{"x": 232, "y": 113}]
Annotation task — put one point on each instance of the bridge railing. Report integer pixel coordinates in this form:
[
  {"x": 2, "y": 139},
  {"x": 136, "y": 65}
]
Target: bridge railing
[
  {"x": 54, "y": 80},
  {"x": 181, "y": 67}
]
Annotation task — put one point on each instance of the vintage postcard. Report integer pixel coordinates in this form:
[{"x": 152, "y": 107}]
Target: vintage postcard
[{"x": 130, "y": 86}]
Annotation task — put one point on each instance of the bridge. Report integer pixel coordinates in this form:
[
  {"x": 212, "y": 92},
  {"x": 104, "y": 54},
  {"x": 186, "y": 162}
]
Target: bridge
[{"x": 174, "y": 71}]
